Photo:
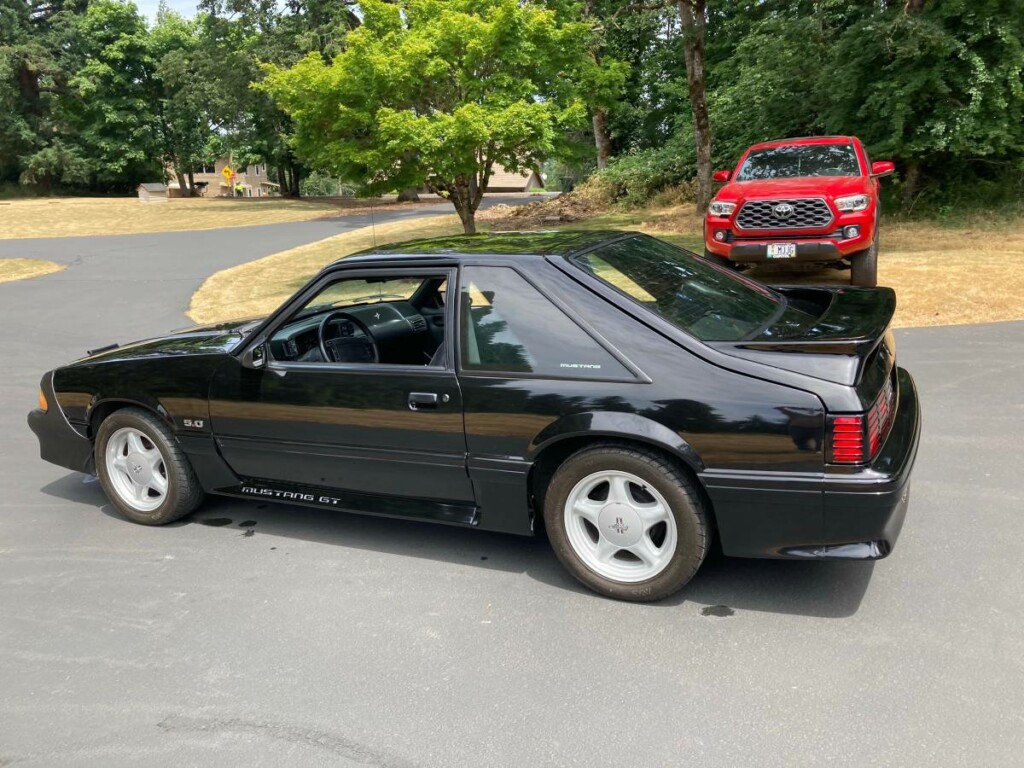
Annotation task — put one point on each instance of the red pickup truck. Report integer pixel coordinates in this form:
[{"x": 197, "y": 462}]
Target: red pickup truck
[{"x": 807, "y": 200}]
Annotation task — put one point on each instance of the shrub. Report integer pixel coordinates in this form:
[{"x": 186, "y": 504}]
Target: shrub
[{"x": 632, "y": 180}]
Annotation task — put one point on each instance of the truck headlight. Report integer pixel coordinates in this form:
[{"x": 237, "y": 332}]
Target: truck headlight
[
  {"x": 852, "y": 203},
  {"x": 718, "y": 208}
]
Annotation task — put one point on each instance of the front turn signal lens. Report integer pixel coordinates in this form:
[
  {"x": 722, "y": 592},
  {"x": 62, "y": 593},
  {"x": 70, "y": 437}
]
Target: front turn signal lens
[{"x": 43, "y": 405}]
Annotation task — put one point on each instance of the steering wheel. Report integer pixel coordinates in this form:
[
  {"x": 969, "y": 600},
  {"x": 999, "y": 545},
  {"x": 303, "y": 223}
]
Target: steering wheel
[{"x": 361, "y": 345}]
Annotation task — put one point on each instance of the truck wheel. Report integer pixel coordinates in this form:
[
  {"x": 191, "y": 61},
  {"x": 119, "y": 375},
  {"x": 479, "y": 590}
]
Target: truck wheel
[
  {"x": 625, "y": 522},
  {"x": 143, "y": 471},
  {"x": 864, "y": 266},
  {"x": 721, "y": 261}
]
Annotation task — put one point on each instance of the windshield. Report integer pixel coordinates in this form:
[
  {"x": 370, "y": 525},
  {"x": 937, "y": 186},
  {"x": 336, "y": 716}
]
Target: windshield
[
  {"x": 792, "y": 162},
  {"x": 706, "y": 301}
]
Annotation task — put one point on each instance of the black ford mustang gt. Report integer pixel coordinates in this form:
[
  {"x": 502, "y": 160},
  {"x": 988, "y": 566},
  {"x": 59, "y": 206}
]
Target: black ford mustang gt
[{"x": 636, "y": 398}]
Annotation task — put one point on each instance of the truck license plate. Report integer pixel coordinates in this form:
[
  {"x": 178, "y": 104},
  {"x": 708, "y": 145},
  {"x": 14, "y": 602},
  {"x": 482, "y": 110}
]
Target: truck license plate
[{"x": 782, "y": 250}]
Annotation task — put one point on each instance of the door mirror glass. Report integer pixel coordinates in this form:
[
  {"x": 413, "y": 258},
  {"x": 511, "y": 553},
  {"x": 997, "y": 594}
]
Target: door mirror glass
[{"x": 255, "y": 357}]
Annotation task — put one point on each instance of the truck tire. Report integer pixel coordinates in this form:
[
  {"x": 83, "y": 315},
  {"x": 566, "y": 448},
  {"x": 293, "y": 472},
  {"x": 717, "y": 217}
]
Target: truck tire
[
  {"x": 864, "y": 266},
  {"x": 721, "y": 261}
]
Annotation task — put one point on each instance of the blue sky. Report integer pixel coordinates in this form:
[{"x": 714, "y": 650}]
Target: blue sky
[{"x": 148, "y": 8}]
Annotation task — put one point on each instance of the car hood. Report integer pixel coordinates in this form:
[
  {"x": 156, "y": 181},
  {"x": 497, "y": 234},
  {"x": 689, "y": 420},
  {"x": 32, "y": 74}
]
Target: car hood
[
  {"x": 829, "y": 186},
  {"x": 221, "y": 338}
]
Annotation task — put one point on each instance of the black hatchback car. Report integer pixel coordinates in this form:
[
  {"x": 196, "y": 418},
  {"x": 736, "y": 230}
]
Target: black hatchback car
[{"x": 627, "y": 395}]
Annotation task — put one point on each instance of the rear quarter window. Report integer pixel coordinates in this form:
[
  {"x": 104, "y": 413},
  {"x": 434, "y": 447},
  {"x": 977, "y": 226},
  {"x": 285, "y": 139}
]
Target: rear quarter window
[{"x": 507, "y": 326}]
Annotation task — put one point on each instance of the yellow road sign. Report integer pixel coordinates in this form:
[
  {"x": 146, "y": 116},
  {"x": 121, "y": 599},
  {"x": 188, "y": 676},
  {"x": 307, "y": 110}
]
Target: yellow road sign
[{"x": 227, "y": 173}]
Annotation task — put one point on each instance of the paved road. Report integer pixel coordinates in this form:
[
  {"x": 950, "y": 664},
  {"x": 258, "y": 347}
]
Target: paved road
[{"x": 305, "y": 638}]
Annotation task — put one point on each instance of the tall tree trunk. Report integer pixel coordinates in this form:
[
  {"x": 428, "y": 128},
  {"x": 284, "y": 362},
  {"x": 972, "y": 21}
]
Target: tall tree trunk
[
  {"x": 191, "y": 183},
  {"x": 282, "y": 181},
  {"x": 911, "y": 183},
  {"x": 602, "y": 139},
  {"x": 186, "y": 190},
  {"x": 692, "y": 14}
]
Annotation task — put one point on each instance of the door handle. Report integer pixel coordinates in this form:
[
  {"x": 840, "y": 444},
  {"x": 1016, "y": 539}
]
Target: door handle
[{"x": 421, "y": 400}]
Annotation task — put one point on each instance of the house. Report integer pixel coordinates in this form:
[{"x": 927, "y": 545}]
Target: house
[
  {"x": 210, "y": 181},
  {"x": 152, "y": 192},
  {"x": 503, "y": 180}
]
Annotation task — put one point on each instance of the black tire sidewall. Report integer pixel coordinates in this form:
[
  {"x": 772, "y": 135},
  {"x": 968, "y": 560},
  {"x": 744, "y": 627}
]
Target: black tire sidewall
[
  {"x": 864, "y": 266},
  {"x": 170, "y": 509},
  {"x": 693, "y": 532}
]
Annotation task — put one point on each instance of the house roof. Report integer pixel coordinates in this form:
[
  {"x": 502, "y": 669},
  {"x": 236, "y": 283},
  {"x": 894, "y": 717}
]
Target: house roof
[
  {"x": 500, "y": 177},
  {"x": 153, "y": 186}
]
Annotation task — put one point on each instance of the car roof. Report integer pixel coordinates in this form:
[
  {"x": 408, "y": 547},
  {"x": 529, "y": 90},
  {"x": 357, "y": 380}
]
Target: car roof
[
  {"x": 492, "y": 244},
  {"x": 804, "y": 140}
]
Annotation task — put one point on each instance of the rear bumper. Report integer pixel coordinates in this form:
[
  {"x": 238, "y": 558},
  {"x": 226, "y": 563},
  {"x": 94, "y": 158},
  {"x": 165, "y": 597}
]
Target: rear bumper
[
  {"x": 59, "y": 442},
  {"x": 855, "y": 516}
]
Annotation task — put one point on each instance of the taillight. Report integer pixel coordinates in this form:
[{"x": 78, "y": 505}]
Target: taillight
[
  {"x": 846, "y": 440},
  {"x": 856, "y": 439},
  {"x": 43, "y": 405}
]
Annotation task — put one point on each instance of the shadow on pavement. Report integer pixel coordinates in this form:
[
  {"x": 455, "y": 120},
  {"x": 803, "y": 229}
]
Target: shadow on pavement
[{"x": 723, "y": 584}]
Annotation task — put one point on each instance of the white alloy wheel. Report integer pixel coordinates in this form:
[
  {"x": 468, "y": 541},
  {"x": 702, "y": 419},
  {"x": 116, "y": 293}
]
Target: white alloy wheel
[
  {"x": 136, "y": 468},
  {"x": 620, "y": 526}
]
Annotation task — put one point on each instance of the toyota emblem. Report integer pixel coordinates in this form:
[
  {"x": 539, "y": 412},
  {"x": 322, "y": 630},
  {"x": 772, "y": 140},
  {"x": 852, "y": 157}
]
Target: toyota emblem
[{"x": 783, "y": 211}]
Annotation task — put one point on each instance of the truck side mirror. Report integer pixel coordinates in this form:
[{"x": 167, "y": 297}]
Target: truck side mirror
[
  {"x": 881, "y": 168},
  {"x": 721, "y": 175}
]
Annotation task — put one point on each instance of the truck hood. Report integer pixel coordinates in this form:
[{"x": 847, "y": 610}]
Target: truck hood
[
  {"x": 836, "y": 342},
  {"x": 828, "y": 186},
  {"x": 199, "y": 340}
]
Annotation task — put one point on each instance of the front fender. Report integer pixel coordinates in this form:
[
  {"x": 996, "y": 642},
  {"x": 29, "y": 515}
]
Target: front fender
[{"x": 615, "y": 424}]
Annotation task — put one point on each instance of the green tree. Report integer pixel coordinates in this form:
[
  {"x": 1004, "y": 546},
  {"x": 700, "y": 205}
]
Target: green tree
[
  {"x": 111, "y": 112},
  {"x": 436, "y": 93},
  {"x": 181, "y": 96},
  {"x": 932, "y": 84}
]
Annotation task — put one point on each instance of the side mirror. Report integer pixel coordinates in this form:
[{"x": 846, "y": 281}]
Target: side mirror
[
  {"x": 881, "y": 168},
  {"x": 255, "y": 357},
  {"x": 721, "y": 175}
]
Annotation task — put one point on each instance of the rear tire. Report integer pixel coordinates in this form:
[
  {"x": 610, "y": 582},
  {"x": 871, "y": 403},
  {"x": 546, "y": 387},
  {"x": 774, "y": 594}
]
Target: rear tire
[
  {"x": 626, "y": 522},
  {"x": 142, "y": 469},
  {"x": 864, "y": 266}
]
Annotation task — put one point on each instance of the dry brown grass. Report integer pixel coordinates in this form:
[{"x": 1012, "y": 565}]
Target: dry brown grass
[
  {"x": 82, "y": 216},
  {"x": 22, "y": 269},
  {"x": 257, "y": 288}
]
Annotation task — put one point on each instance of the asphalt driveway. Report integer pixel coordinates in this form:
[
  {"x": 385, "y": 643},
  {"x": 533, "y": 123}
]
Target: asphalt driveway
[{"x": 262, "y": 635}]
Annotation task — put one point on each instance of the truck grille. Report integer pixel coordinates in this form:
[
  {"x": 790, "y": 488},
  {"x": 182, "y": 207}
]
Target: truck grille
[{"x": 795, "y": 213}]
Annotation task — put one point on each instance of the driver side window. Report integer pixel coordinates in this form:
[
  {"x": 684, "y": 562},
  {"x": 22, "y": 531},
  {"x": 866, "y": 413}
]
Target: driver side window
[{"x": 386, "y": 320}]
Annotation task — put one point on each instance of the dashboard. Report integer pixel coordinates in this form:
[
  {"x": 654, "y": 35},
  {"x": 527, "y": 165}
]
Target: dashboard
[{"x": 401, "y": 335}]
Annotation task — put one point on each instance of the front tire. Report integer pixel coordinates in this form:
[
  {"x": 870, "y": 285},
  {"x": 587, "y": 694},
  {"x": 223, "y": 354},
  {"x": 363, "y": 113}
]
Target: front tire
[
  {"x": 626, "y": 522},
  {"x": 721, "y": 261},
  {"x": 142, "y": 469},
  {"x": 864, "y": 266}
]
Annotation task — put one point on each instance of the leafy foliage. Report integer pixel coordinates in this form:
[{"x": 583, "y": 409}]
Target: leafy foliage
[{"x": 436, "y": 93}]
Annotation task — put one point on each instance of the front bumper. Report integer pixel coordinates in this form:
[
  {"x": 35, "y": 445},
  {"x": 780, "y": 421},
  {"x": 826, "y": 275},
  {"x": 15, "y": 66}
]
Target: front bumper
[
  {"x": 59, "y": 442},
  {"x": 854, "y": 516},
  {"x": 747, "y": 247}
]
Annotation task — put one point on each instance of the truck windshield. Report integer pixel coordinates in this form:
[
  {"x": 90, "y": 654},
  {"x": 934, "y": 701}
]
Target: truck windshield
[
  {"x": 794, "y": 161},
  {"x": 706, "y": 301}
]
